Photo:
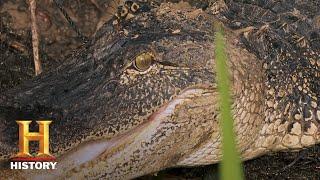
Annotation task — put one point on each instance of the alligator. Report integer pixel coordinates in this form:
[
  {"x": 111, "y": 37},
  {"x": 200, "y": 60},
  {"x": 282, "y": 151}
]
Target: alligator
[{"x": 141, "y": 96}]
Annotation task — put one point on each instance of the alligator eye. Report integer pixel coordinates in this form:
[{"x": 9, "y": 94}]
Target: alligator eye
[{"x": 143, "y": 61}]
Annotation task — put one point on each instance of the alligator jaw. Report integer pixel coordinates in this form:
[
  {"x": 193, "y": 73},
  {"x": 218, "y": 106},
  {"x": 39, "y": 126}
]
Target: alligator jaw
[{"x": 89, "y": 152}]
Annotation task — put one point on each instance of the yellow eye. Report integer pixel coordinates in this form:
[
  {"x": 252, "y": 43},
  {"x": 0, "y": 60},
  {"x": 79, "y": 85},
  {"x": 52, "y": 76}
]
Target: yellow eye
[{"x": 143, "y": 61}]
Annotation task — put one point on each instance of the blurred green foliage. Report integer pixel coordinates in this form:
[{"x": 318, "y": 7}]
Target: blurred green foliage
[{"x": 230, "y": 166}]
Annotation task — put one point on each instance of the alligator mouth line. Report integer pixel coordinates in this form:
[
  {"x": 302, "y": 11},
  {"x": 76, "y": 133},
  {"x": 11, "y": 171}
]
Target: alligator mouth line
[{"x": 92, "y": 150}]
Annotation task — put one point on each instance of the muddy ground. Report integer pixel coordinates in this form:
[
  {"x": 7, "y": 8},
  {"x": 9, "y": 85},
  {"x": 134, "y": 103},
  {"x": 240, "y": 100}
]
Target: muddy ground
[{"x": 59, "y": 39}]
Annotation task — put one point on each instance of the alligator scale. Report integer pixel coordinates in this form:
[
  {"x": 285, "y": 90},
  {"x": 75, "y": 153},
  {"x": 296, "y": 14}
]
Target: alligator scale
[{"x": 142, "y": 96}]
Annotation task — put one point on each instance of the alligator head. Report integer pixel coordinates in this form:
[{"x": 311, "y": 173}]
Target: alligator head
[{"x": 142, "y": 97}]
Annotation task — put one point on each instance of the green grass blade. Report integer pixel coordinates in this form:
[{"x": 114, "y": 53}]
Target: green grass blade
[{"x": 230, "y": 167}]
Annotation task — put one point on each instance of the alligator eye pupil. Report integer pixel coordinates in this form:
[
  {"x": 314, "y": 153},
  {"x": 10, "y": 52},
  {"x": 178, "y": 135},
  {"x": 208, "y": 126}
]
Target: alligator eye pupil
[{"x": 143, "y": 61}]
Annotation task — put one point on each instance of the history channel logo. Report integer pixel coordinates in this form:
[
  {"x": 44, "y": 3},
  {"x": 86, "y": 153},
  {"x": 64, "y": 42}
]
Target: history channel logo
[{"x": 23, "y": 159}]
